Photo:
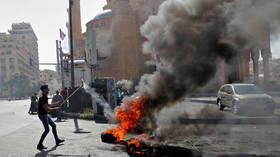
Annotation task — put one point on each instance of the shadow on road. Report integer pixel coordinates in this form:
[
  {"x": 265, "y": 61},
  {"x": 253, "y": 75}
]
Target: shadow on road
[
  {"x": 81, "y": 132},
  {"x": 60, "y": 121},
  {"x": 45, "y": 153}
]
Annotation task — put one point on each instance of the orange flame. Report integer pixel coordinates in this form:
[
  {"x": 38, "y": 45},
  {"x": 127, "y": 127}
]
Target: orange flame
[
  {"x": 128, "y": 115},
  {"x": 136, "y": 141}
]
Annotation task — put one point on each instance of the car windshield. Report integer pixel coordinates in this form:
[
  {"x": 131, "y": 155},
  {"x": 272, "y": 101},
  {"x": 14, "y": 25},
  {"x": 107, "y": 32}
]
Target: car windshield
[{"x": 249, "y": 89}]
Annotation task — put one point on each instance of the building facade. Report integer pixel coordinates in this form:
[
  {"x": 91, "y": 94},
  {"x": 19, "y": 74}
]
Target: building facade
[
  {"x": 118, "y": 38},
  {"x": 48, "y": 75},
  {"x": 129, "y": 15},
  {"x": 78, "y": 39},
  {"x": 125, "y": 60},
  {"x": 52, "y": 78},
  {"x": 239, "y": 68},
  {"x": 18, "y": 54},
  {"x": 99, "y": 44}
]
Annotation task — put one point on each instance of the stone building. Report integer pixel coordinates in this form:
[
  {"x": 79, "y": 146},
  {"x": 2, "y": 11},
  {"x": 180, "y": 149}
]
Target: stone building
[
  {"x": 52, "y": 78},
  {"x": 239, "y": 68},
  {"x": 19, "y": 54},
  {"x": 78, "y": 39},
  {"x": 126, "y": 60},
  {"x": 99, "y": 43},
  {"x": 48, "y": 75}
]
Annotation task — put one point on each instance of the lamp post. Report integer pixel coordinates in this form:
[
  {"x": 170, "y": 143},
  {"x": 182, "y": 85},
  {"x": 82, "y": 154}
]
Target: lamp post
[
  {"x": 61, "y": 65},
  {"x": 71, "y": 44}
]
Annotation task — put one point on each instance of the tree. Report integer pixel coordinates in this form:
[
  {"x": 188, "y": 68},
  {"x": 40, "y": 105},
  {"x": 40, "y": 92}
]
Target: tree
[{"x": 19, "y": 85}]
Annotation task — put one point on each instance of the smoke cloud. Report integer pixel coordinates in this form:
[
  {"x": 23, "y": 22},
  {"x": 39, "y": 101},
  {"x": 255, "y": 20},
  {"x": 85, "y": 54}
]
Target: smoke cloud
[
  {"x": 97, "y": 100},
  {"x": 124, "y": 85},
  {"x": 190, "y": 36}
]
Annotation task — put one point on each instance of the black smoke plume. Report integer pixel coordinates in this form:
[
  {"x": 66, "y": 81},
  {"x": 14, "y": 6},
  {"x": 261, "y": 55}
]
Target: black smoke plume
[{"x": 190, "y": 36}]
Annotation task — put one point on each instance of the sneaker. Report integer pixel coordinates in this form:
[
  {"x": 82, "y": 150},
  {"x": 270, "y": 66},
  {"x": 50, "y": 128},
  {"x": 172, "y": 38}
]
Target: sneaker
[
  {"x": 40, "y": 146},
  {"x": 59, "y": 141}
]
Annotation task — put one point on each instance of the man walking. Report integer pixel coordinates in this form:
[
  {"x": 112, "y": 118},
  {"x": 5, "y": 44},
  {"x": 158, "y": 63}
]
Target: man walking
[{"x": 43, "y": 108}]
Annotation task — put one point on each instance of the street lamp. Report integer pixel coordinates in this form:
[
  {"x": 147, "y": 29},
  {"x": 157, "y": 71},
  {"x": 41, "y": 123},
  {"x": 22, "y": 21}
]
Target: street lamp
[{"x": 71, "y": 44}]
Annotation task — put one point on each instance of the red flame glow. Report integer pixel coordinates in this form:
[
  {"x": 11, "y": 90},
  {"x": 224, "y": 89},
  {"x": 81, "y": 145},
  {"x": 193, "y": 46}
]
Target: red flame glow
[
  {"x": 136, "y": 141},
  {"x": 128, "y": 115}
]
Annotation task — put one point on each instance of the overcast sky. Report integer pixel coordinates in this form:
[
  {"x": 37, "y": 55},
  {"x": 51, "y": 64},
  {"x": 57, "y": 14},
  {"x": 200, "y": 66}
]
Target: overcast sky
[{"x": 47, "y": 16}]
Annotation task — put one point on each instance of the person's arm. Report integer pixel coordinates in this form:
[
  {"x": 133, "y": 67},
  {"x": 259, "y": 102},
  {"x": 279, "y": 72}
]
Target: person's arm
[
  {"x": 48, "y": 109},
  {"x": 55, "y": 103}
]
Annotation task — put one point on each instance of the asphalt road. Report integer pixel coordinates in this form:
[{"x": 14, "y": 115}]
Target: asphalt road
[
  {"x": 20, "y": 132},
  {"x": 260, "y": 139}
]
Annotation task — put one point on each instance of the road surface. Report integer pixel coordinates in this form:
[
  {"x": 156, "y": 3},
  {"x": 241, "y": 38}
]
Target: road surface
[{"x": 20, "y": 132}]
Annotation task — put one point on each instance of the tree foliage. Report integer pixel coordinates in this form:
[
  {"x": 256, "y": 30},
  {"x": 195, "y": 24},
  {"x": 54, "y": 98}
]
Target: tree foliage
[{"x": 20, "y": 85}]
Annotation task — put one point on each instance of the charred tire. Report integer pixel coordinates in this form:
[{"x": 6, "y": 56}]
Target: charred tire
[{"x": 220, "y": 106}]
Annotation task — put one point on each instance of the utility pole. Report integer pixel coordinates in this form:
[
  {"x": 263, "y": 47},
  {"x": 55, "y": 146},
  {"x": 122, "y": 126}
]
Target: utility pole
[
  {"x": 72, "y": 58},
  {"x": 61, "y": 65},
  {"x": 57, "y": 57},
  {"x": 71, "y": 45}
]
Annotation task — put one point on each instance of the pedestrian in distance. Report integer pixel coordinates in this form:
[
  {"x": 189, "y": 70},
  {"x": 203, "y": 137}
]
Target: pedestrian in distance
[
  {"x": 43, "y": 108},
  {"x": 57, "y": 98},
  {"x": 34, "y": 104},
  {"x": 64, "y": 94}
]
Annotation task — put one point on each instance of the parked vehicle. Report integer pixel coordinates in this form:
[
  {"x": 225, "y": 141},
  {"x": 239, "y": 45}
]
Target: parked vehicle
[{"x": 244, "y": 98}]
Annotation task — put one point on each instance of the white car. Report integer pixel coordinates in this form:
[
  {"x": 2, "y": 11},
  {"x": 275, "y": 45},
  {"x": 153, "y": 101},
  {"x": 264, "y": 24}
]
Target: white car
[{"x": 245, "y": 98}]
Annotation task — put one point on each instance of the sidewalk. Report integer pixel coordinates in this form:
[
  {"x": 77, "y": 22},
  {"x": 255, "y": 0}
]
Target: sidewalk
[{"x": 23, "y": 141}]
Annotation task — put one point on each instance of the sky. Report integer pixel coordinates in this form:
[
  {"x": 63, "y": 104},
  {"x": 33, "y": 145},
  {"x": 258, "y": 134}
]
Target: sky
[{"x": 48, "y": 16}]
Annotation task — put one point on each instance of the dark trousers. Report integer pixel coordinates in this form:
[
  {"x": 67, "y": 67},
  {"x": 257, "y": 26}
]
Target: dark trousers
[{"x": 46, "y": 120}]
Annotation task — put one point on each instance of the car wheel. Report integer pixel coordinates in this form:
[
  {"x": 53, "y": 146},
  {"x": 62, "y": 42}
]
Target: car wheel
[{"x": 220, "y": 106}]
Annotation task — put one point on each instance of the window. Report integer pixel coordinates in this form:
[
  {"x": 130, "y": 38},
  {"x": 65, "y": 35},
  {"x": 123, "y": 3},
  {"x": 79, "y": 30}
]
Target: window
[
  {"x": 223, "y": 89},
  {"x": 227, "y": 89},
  {"x": 247, "y": 89},
  {"x": 3, "y": 46},
  {"x": 2, "y": 53},
  {"x": 11, "y": 60},
  {"x": 3, "y": 77},
  {"x": 12, "y": 68},
  {"x": 9, "y": 52},
  {"x": 103, "y": 23},
  {"x": 96, "y": 24},
  {"x": 30, "y": 62},
  {"x": 2, "y": 60},
  {"x": 3, "y": 68}
]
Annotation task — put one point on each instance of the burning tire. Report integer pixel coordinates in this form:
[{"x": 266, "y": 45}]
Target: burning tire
[{"x": 108, "y": 138}]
